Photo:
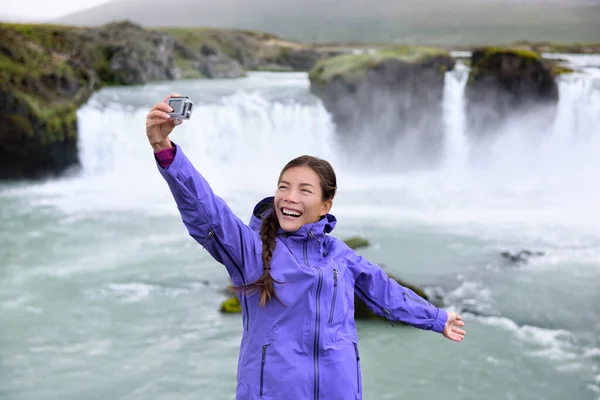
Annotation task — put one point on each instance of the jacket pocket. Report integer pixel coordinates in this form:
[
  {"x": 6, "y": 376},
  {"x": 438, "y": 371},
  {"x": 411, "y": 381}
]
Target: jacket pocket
[
  {"x": 262, "y": 368},
  {"x": 335, "y": 288},
  {"x": 358, "y": 377}
]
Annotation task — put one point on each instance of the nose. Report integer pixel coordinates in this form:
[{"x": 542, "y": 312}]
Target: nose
[{"x": 291, "y": 196}]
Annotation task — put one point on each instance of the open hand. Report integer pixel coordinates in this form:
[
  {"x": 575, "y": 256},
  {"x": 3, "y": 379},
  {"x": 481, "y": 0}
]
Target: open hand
[
  {"x": 159, "y": 124},
  {"x": 452, "y": 330}
]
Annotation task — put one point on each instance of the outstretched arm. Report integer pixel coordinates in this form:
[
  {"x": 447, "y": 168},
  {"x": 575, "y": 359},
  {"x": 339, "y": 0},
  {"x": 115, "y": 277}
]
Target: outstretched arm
[
  {"x": 207, "y": 217},
  {"x": 387, "y": 298}
]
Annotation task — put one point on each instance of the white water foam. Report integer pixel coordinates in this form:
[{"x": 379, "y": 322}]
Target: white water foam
[{"x": 535, "y": 186}]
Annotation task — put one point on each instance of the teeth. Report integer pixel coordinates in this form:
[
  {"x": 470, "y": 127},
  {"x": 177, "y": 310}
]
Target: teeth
[{"x": 287, "y": 211}]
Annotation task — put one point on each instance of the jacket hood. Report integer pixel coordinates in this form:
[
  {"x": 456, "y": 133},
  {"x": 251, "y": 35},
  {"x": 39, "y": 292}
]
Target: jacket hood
[{"x": 265, "y": 207}]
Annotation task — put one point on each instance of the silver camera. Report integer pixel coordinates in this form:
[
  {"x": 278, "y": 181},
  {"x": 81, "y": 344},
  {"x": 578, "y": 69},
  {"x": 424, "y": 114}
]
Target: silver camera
[{"x": 182, "y": 108}]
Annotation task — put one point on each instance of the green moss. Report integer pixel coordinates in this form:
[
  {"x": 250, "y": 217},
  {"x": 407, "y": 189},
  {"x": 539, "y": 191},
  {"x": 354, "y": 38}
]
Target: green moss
[
  {"x": 187, "y": 68},
  {"x": 273, "y": 68},
  {"x": 21, "y": 125},
  {"x": 231, "y": 306},
  {"x": 353, "y": 67},
  {"x": 356, "y": 242},
  {"x": 195, "y": 38},
  {"x": 527, "y": 55},
  {"x": 560, "y": 69}
]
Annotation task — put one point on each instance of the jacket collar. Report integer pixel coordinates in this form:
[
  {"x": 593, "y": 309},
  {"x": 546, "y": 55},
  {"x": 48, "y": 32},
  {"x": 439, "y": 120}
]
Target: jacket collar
[{"x": 316, "y": 230}]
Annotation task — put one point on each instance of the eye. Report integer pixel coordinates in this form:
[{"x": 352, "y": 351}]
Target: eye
[{"x": 306, "y": 190}]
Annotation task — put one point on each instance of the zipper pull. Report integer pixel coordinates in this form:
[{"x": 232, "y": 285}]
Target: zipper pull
[
  {"x": 312, "y": 235},
  {"x": 387, "y": 314},
  {"x": 335, "y": 277},
  {"x": 211, "y": 233}
]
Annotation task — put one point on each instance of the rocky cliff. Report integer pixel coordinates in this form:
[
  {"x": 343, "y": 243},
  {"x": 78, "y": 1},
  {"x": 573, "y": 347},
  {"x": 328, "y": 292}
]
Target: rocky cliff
[
  {"x": 48, "y": 71},
  {"x": 505, "y": 82},
  {"x": 381, "y": 98}
]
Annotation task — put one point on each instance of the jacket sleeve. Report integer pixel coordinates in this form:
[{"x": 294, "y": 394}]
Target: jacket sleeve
[
  {"x": 387, "y": 298},
  {"x": 210, "y": 221}
]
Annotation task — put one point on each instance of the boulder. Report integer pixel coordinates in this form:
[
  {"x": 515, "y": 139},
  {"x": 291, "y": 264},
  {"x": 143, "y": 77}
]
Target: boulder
[
  {"x": 135, "y": 55},
  {"x": 356, "y": 242},
  {"x": 41, "y": 87},
  {"x": 504, "y": 82},
  {"x": 386, "y": 101},
  {"x": 250, "y": 50}
]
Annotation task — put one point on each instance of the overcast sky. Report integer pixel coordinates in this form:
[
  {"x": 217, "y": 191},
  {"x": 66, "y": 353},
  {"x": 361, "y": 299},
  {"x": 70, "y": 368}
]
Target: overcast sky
[{"x": 43, "y": 9}]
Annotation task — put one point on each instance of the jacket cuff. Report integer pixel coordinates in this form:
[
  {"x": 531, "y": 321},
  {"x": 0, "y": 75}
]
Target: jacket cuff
[{"x": 440, "y": 321}]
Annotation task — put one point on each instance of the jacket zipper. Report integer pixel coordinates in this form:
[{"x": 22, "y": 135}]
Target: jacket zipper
[
  {"x": 335, "y": 286},
  {"x": 317, "y": 319},
  {"x": 385, "y": 311},
  {"x": 357, "y": 368},
  {"x": 212, "y": 233},
  {"x": 262, "y": 368}
]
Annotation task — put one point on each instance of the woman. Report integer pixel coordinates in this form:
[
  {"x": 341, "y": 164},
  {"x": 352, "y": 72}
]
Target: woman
[{"x": 296, "y": 283}]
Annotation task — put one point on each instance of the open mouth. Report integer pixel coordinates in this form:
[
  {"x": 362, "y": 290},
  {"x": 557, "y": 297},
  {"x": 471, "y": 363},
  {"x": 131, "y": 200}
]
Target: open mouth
[{"x": 288, "y": 212}]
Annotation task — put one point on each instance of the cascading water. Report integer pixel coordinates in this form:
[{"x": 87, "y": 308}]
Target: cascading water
[{"x": 114, "y": 249}]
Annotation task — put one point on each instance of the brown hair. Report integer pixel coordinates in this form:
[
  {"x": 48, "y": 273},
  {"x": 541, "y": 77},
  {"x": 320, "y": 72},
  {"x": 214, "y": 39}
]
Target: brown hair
[{"x": 270, "y": 225}]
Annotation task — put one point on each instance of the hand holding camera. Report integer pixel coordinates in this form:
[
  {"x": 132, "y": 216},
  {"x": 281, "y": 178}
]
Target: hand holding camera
[{"x": 164, "y": 116}]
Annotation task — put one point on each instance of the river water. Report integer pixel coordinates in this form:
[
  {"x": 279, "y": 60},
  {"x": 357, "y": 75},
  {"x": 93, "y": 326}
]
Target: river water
[{"x": 103, "y": 295}]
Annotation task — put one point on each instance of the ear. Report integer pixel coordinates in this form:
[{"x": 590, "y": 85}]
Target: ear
[{"x": 326, "y": 207}]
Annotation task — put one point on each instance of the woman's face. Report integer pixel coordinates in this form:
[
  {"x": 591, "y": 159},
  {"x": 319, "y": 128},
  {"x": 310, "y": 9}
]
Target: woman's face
[{"x": 299, "y": 198}]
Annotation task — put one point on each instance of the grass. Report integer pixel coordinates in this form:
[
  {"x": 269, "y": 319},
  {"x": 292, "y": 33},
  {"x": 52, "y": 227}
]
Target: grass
[{"x": 353, "y": 67}]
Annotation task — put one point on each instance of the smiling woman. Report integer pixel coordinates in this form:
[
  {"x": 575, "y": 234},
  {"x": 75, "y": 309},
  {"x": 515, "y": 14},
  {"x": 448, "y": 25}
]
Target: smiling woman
[{"x": 286, "y": 252}]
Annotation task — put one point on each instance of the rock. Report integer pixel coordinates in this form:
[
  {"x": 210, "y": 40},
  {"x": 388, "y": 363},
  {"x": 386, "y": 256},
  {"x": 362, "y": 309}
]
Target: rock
[
  {"x": 231, "y": 306},
  {"x": 135, "y": 55},
  {"x": 41, "y": 87},
  {"x": 250, "y": 50},
  {"x": 505, "y": 82},
  {"x": 199, "y": 55},
  {"x": 386, "y": 98},
  {"x": 356, "y": 242},
  {"x": 521, "y": 256}
]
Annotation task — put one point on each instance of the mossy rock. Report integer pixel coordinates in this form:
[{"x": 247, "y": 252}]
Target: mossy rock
[
  {"x": 231, "y": 306},
  {"x": 504, "y": 81},
  {"x": 560, "y": 70},
  {"x": 356, "y": 242},
  {"x": 353, "y": 68},
  {"x": 377, "y": 99}
]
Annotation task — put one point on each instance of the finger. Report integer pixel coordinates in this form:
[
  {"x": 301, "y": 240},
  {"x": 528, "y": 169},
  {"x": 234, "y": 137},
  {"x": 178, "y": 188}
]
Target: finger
[
  {"x": 162, "y": 107},
  {"x": 459, "y": 331},
  {"x": 459, "y": 323},
  {"x": 456, "y": 337},
  {"x": 171, "y": 95},
  {"x": 158, "y": 114}
]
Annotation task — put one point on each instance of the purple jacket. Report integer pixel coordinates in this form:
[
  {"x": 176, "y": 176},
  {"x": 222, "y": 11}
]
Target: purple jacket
[{"x": 308, "y": 347}]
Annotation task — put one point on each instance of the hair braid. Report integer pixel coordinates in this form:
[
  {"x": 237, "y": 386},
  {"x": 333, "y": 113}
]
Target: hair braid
[{"x": 265, "y": 284}]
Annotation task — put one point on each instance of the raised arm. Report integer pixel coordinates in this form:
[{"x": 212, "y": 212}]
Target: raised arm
[{"x": 207, "y": 217}]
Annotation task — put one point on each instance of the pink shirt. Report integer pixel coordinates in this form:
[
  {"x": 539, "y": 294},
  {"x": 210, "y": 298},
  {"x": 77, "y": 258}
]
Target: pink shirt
[{"x": 165, "y": 157}]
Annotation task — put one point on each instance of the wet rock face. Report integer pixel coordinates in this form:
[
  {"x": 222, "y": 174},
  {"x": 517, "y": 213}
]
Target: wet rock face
[
  {"x": 505, "y": 82},
  {"x": 380, "y": 100}
]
